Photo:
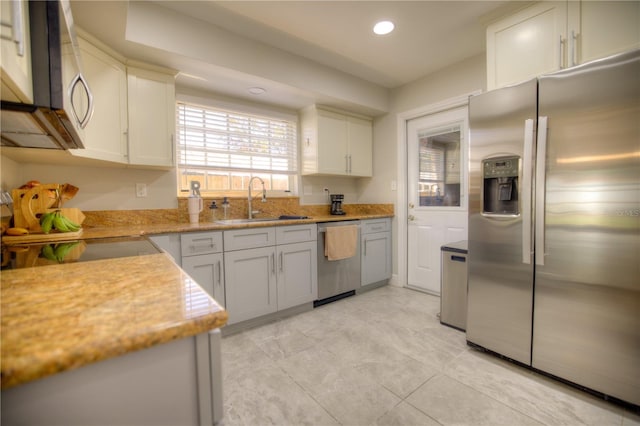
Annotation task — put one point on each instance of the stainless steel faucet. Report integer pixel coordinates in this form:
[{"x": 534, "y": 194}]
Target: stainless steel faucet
[{"x": 264, "y": 196}]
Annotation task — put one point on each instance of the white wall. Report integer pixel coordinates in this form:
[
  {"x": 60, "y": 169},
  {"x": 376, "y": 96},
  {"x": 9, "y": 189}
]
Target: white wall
[
  {"x": 101, "y": 188},
  {"x": 111, "y": 188}
]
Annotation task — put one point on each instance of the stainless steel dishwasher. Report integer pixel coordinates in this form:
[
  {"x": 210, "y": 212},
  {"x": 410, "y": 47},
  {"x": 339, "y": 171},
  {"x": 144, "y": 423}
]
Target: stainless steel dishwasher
[{"x": 337, "y": 278}]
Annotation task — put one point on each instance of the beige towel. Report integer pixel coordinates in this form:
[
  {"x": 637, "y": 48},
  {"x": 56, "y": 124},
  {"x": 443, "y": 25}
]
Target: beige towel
[{"x": 340, "y": 242}]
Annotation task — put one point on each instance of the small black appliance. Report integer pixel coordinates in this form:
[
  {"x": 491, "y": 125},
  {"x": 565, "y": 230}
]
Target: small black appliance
[{"x": 336, "y": 204}]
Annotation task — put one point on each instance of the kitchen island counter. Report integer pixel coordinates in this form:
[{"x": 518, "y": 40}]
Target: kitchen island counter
[{"x": 61, "y": 317}]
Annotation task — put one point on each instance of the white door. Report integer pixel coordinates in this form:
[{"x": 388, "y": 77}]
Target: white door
[{"x": 437, "y": 147}]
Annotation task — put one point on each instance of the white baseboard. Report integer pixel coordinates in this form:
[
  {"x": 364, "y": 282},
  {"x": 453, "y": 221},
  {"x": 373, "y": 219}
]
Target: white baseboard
[{"x": 394, "y": 281}]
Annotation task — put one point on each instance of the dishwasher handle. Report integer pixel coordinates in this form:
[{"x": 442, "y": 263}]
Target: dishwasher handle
[{"x": 324, "y": 230}]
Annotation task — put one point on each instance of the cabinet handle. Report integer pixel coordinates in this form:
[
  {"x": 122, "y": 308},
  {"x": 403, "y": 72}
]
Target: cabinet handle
[
  {"x": 173, "y": 149},
  {"x": 195, "y": 248},
  {"x": 561, "y": 58},
  {"x": 346, "y": 163},
  {"x": 273, "y": 263},
  {"x": 281, "y": 263},
  {"x": 574, "y": 42},
  {"x": 349, "y": 163},
  {"x": 16, "y": 26},
  {"x": 364, "y": 247},
  {"x": 219, "y": 273}
]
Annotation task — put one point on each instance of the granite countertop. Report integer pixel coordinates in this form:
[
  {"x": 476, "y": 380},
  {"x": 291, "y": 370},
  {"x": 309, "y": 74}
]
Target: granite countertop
[
  {"x": 166, "y": 228},
  {"x": 60, "y": 317}
]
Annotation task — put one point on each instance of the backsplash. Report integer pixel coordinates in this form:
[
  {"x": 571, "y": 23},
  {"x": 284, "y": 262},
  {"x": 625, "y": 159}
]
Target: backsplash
[{"x": 274, "y": 207}]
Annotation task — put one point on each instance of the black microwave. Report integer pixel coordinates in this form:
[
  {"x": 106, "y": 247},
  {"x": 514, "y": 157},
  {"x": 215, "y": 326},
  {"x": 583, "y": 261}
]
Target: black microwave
[{"x": 61, "y": 107}]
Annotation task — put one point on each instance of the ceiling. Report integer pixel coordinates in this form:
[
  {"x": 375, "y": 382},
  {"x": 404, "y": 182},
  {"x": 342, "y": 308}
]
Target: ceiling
[{"x": 335, "y": 35}]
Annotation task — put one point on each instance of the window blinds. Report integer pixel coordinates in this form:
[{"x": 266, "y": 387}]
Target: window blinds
[{"x": 216, "y": 139}]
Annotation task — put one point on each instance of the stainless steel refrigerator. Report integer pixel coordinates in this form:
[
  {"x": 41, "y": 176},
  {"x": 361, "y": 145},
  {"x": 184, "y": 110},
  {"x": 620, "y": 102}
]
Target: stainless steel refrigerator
[{"x": 554, "y": 224}]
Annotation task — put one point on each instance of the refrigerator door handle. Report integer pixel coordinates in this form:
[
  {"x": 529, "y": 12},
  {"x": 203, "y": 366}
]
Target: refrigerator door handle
[
  {"x": 540, "y": 188},
  {"x": 526, "y": 191}
]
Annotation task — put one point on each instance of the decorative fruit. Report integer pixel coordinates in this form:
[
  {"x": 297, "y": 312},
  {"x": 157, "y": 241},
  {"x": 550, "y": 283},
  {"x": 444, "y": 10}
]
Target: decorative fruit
[
  {"x": 17, "y": 231},
  {"x": 30, "y": 184}
]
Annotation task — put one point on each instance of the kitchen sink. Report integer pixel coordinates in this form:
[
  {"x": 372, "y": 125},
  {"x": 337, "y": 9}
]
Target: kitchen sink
[{"x": 258, "y": 220}]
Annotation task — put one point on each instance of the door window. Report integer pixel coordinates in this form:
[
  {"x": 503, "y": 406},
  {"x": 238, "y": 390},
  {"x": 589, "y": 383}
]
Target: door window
[{"x": 439, "y": 167}]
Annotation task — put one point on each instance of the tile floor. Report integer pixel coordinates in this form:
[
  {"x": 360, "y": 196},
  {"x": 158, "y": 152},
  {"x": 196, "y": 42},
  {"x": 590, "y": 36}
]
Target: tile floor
[{"x": 383, "y": 358}]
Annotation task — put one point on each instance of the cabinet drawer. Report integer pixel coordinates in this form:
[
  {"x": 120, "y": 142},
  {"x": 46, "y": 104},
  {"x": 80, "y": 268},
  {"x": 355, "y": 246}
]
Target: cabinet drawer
[
  {"x": 296, "y": 233},
  {"x": 376, "y": 225},
  {"x": 193, "y": 243},
  {"x": 240, "y": 239}
]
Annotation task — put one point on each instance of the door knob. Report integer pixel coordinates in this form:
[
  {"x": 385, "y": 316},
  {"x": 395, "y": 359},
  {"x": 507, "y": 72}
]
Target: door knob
[
  {"x": 411, "y": 217},
  {"x": 411, "y": 205}
]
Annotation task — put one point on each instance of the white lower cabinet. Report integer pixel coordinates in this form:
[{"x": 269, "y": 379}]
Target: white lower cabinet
[
  {"x": 250, "y": 281},
  {"x": 297, "y": 274},
  {"x": 273, "y": 277},
  {"x": 208, "y": 271},
  {"x": 202, "y": 259},
  {"x": 174, "y": 383},
  {"x": 169, "y": 243},
  {"x": 375, "y": 251}
]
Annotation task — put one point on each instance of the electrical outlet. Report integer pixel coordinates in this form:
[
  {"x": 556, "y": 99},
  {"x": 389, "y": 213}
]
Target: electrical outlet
[{"x": 141, "y": 190}]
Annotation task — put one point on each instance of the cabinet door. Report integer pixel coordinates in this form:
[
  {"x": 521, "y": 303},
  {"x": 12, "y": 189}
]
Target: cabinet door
[
  {"x": 296, "y": 233},
  {"x": 526, "y": 44},
  {"x": 376, "y": 257},
  {"x": 360, "y": 158},
  {"x": 208, "y": 271},
  {"x": 332, "y": 143},
  {"x": 193, "y": 243},
  {"x": 151, "y": 117},
  {"x": 602, "y": 28},
  {"x": 16, "y": 52},
  {"x": 240, "y": 239},
  {"x": 169, "y": 243},
  {"x": 105, "y": 136},
  {"x": 297, "y": 274},
  {"x": 250, "y": 283}
]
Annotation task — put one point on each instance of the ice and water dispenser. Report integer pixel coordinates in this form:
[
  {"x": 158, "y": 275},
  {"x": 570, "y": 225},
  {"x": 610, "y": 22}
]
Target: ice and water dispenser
[{"x": 500, "y": 186}]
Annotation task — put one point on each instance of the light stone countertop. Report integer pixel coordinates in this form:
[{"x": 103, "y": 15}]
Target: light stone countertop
[
  {"x": 60, "y": 317},
  {"x": 167, "y": 228}
]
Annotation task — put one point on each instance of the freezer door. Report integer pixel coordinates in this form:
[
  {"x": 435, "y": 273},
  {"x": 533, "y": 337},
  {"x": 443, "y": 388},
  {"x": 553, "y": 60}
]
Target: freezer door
[
  {"x": 500, "y": 294},
  {"x": 587, "y": 299}
]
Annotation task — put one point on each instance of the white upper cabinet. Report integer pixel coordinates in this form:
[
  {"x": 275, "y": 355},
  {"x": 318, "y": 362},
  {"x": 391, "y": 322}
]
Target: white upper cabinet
[
  {"x": 603, "y": 28},
  {"x": 133, "y": 118},
  {"x": 16, "y": 52},
  {"x": 360, "y": 133},
  {"x": 105, "y": 136},
  {"x": 549, "y": 36},
  {"x": 152, "y": 106},
  {"x": 336, "y": 144}
]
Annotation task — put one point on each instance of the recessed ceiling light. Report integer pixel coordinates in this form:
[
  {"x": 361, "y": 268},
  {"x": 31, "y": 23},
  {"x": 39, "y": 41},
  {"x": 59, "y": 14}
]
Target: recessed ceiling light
[
  {"x": 256, "y": 90},
  {"x": 383, "y": 27}
]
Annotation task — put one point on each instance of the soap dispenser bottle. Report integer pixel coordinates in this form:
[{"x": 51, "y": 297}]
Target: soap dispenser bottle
[
  {"x": 213, "y": 209},
  {"x": 225, "y": 206}
]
